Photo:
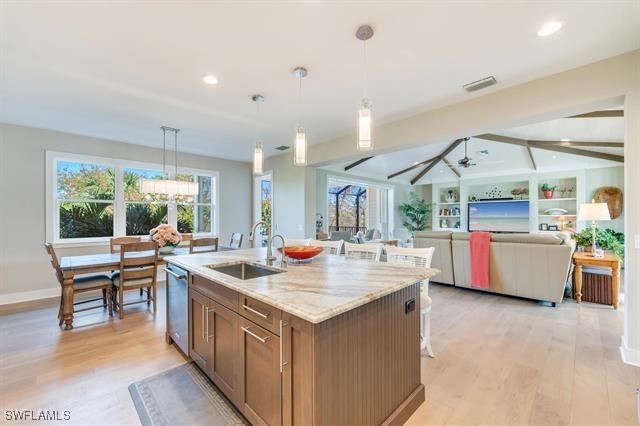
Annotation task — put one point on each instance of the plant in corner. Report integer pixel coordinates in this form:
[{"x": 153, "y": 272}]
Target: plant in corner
[
  {"x": 417, "y": 213},
  {"x": 547, "y": 190}
]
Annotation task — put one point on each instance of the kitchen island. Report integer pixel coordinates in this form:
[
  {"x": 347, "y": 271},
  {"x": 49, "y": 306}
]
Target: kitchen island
[{"x": 329, "y": 342}]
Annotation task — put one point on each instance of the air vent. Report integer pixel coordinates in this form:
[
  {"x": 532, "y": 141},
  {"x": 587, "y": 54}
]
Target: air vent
[
  {"x": 282, "y": 147},
  {"x": 480, "y": 84}
]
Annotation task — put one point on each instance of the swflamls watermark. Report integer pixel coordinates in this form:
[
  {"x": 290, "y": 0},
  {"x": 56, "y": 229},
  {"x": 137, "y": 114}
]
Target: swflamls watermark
[{"x": 38, "y": 415}]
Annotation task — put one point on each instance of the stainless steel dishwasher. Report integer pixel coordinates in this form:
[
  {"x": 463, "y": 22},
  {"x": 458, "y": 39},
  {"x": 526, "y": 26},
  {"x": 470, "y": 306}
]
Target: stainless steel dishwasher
[{"x": 178, "y": 307}]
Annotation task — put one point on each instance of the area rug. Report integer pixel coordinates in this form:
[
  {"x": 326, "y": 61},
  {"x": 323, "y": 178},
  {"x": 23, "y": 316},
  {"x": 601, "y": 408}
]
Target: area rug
[{"x": 182, "y": 396}]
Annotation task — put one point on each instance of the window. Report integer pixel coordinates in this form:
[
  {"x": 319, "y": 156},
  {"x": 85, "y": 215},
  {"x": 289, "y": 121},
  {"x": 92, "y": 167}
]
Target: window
[
  {"x": 85, "y": 199},
  {"x": 143, "y": 212},
  {"x": 94, "y": 199},
  {"x": 194, "y": 212}
]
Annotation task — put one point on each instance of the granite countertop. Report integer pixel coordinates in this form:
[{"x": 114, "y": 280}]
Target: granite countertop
[{"x": 315, "y": 291}]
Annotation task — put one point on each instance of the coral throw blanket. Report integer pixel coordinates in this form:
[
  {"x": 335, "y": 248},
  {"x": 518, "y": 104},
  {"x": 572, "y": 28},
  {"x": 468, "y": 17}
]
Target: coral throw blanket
[{"x": 479, "y": 246}]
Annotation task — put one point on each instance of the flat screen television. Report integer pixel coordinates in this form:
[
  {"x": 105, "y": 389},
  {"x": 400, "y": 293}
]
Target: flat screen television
[{"x": 499, "y": 216}]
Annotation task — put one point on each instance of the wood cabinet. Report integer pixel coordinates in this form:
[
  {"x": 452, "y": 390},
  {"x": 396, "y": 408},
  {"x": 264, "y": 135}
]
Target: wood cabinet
[
  {"x": 359, "y": 368},
  {"x": 260, "y": 360}
]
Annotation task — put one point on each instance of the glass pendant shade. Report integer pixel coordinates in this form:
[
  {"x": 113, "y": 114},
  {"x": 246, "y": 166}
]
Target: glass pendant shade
[
  {"x": 300, "y": 148},
  {"x": 168, "y": 187},
  {"x": 364, "y": 126},
  {"x": 258, "y": 159}
]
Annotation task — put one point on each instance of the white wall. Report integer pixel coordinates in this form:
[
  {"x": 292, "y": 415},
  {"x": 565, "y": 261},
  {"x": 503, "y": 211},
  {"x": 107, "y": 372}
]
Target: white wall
[{"x": 24, "y": 266}]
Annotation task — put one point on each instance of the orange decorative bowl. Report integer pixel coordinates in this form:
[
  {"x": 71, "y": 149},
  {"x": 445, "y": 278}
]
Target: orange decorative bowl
[{"x": 301, "y": 252}]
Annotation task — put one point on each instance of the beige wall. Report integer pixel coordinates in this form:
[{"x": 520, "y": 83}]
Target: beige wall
[
  {"x": 608, "y": 176},
  {"x": 24, "y": 266}
]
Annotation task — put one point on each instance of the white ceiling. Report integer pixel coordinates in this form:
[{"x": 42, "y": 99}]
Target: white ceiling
[
  {"x": 120, "y": 70},
  {"x": 502, "y": 159}
]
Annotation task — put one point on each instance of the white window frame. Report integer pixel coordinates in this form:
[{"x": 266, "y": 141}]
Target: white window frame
[{"x": 119, "y": 220}]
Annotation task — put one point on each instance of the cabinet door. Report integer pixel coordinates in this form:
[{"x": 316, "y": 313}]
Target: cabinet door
[
  {"x": 297, "y": 370},
  {"x": 199, "y": 349},
  {"x": 224, "y": 340},
  {"x": 261, "y": 390}
]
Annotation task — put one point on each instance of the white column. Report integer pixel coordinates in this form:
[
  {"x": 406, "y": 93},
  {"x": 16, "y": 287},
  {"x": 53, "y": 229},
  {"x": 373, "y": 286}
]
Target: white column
[{"x": 630, "y": 348}]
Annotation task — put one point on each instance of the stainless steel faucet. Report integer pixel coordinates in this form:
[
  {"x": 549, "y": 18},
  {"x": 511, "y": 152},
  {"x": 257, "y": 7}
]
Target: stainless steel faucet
[{"x": 270, "y": 256}]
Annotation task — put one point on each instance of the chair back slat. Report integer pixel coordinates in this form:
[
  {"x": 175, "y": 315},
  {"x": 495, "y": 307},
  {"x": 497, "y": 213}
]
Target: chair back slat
[
  {"x": 137, "y": 273},
  {"x": 236, "y": 240},
  {"x": 203, "y": 245},
  {"x": 54, "y": 262},
  {"x": 418, "y": 257},
  {"x": 363, "y": 251},
  {"x": 329, "y": 247},
  {"x": 116, "y": 242},
  {"x": 129, "y": 258}
]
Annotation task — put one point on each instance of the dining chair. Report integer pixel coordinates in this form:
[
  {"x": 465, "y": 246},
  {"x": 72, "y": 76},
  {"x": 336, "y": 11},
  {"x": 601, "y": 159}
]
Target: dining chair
[
  {"x": 421, "y": 258},
  {"x": 203, "y": 245},
  {"x": 83, "y": 284},
  {"x": 116, "y": 242},
  {"x": 138, "y": 270},
  {"x": 363, "y": 251},
  {"x": 329, "y": 247},
  {"x": 236, "y": 240},
  {"x": 289, "y": 242},
  {"x": 186, "y": 239}
]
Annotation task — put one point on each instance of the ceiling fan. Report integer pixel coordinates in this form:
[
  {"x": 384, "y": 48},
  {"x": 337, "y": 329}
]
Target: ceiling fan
[{"x": 466, "y": 162}]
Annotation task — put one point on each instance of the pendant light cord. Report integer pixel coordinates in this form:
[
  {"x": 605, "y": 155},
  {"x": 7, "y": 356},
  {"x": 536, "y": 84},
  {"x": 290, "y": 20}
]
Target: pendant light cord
[
  {"x": 364, "y": 57},
  {"x": 164, "y": 151}
]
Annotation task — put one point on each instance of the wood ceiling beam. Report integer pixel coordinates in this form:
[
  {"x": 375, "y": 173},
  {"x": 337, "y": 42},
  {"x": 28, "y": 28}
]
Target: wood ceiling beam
[
  {"x": 452, "y": 167},
  {"x": 357, "y": 163},
  {"x": 533, "y": 160},
  {"x": 577, "y": 144},
  {"x": 503, "y": 139},
  {"x": 550, "y": 147},
  {"x": 415, "y": 166},
  {"x": 582, "y": 152},
  {"x": 600, "y": 114},
  {"x": 437, "y": 159}
]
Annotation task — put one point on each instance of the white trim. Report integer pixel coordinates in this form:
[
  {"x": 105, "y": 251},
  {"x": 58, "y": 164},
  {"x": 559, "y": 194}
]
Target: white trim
[
  {"x": 629, "y": 355},
  {"x": 26, "y": 296},
  {"x": 119, "y": 222}
]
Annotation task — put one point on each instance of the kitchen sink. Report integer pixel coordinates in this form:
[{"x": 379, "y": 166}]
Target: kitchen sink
[{"x": 244, "y": 270}]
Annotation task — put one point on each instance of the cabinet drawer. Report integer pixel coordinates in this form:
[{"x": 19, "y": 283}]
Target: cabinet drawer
[
  {"x": 260, "y": 313},
  {"x": 215, "y": 291}
]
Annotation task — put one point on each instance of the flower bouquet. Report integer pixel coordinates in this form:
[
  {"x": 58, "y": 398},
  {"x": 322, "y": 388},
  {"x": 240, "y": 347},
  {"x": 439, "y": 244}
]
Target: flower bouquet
[{"x": 166, "y": 236}]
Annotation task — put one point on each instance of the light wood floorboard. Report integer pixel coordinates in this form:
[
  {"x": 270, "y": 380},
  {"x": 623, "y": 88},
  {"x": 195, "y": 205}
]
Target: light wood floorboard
[{"x": 499, "y": 360}]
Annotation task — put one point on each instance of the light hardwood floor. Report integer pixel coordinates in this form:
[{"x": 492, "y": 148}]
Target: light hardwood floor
[{"x": 498, "y": 361}]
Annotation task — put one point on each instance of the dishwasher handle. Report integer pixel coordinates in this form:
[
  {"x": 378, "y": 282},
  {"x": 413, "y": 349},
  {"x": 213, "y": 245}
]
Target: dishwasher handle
[{"x": 179, "y": 277}]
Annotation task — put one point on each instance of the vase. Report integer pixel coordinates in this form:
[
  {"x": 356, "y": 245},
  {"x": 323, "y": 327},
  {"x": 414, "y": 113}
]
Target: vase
[
  {"x": 450, "y": 197},
  {"x": 166, "y": 249},
  {"x": 548, "y": 194}
]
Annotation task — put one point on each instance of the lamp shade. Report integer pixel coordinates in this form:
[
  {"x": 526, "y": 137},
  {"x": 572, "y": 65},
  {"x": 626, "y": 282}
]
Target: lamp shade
[{"x": 594, "y": 211}]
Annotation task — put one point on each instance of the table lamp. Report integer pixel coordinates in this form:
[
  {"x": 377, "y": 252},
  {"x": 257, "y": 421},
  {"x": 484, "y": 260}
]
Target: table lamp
[{"x": 594, "y": 211}]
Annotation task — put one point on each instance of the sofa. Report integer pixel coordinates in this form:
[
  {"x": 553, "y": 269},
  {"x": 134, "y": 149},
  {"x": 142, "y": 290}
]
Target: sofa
[{"x": 533, "y": 266}]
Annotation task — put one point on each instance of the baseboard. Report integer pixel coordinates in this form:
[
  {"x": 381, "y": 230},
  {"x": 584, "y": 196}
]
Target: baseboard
[
  {"x": 629, "y": 356},
  {"x": 27, "y": 296}
]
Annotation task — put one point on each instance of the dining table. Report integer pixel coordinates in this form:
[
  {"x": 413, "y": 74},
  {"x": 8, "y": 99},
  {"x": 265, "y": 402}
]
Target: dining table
[{"x": 96, "y": 263}]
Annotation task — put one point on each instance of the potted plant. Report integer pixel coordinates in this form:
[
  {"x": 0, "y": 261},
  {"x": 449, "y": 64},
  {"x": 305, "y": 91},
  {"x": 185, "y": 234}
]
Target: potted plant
[
  {"x": 547, "y": 190},
  {"x": 166, "y": 236},
  {"x": 417, "y": 213},
  {"x": 607, "y": 239}
]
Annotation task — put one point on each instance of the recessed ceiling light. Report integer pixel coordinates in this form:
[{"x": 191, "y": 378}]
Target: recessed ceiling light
[
  {"x": 554, "y": 156},
  {"x": 415, "y": 164},
  {"x": 210, "y": 79},
  {"x": 550, "y": 28},
  {"x": 565, "y": 140}
]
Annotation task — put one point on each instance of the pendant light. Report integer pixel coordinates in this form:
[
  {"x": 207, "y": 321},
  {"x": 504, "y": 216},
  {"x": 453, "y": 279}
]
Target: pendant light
[
  {"x": 173, "y": 186},
  {"x": 364, "y": 33},
  {"x": 300, "y": 142},
  {"x": 258, "y": 158}
]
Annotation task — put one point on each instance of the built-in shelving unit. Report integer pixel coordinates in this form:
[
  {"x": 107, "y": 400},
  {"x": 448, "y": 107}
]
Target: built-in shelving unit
[
  {"x": 563, "y": 198},
  {"x": 447, "y": 208}
]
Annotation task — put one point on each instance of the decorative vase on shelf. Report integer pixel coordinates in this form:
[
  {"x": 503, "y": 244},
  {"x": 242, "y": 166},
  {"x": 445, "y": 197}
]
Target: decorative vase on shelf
[
  {"x": 547, "y": 190},
  {"x": 450, "y": 197}
]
